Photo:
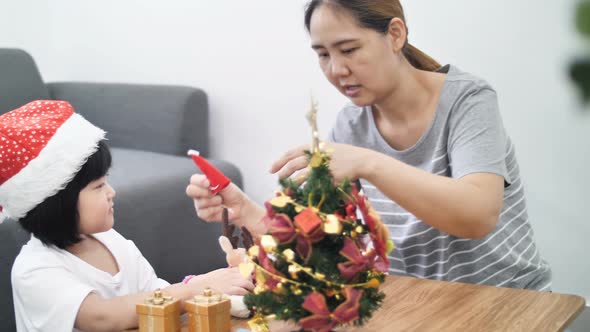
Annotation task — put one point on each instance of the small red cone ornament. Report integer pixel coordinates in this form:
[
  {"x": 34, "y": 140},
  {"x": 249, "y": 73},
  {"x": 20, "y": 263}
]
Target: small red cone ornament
[{"x": 217, "y": 181}]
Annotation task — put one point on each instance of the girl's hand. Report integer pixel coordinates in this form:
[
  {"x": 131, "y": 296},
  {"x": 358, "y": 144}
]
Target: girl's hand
[
  {"x": 227, "y": 281},
  {"x": 347, "y": 161}
]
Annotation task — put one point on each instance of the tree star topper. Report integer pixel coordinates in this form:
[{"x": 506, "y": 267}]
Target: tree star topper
[{"x": 312, "y": 116}]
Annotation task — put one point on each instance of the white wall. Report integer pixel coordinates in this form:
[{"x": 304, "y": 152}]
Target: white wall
[{"x": 253, "y": 59}]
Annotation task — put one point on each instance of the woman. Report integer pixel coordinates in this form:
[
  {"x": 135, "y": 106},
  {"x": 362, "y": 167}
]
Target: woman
[{"x": 428, "y": 146}]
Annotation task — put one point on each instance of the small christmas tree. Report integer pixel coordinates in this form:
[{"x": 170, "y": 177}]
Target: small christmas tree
[{"x": 319, "y": 264}]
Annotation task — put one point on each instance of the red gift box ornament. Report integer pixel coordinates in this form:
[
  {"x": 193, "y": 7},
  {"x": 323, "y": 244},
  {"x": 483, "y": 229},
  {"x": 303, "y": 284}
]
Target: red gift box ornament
[
  {"x": 217, "y": 181},
  {"x": 308, "y": 221}
]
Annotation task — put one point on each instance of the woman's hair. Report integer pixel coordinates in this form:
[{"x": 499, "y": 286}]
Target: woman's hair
[
  {"x": 376, "y": 15},
  {"x": 55, "y": 221}
]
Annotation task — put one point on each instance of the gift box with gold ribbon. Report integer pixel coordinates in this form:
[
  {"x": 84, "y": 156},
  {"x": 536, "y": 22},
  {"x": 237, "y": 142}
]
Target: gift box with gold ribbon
[
  {"x": 159, "y": 313},
  {"x": 208, "y": 312}
]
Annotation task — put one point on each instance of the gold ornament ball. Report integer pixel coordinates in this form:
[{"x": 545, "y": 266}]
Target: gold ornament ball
[
  {"x": 253, "y": 251},
  {"x": 296, "y": 290},
  {"x": 289, "y": 255},
  {"x": 259, "y": 289},
  {"x": 332, "y": 225},
  {"x": 268, "y": 243},
  {"x": 293, "y": 270}
]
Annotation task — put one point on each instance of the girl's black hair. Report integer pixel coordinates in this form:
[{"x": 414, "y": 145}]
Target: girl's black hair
[{"x": 56, "y": 220}]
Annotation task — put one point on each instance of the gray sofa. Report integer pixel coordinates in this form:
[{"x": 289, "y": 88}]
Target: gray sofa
[{"x": 150, "y": 128}]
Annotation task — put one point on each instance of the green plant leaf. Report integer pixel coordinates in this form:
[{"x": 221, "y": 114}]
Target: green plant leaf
[
  {"x": 580, "y": 74},
  {"x": 583, "y": 18}
]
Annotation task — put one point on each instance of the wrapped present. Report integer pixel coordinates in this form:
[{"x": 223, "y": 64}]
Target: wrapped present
[
  {"x": 208, "y": 312},
  {"x": 159, "y": 313}
]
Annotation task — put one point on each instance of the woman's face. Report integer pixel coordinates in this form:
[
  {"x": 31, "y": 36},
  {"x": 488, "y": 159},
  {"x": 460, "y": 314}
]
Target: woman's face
[{"x": 361, "y": 63}]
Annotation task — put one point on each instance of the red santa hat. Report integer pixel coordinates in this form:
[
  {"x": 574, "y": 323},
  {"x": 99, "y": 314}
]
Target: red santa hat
[
  {"x": 217, "y": 180},
  {"x": 43, "y": 145}
]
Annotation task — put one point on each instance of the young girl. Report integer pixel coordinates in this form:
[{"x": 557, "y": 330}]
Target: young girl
[
  {"x": 428, "y": 145},
  {"x": 76, "y": 272}
]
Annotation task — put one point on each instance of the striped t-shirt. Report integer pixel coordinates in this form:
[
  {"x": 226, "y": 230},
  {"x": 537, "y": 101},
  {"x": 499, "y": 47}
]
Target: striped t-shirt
[{"x": 466, "y": 136}]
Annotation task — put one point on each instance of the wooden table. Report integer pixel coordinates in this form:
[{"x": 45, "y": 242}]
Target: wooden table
[{"x": 426, "y": 305}]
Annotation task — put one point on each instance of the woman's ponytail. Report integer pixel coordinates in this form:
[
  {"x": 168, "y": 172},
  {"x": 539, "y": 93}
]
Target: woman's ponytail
[{"x": 419, "y": 59}]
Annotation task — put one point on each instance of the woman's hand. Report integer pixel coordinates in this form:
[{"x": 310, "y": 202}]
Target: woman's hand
[
  {"x": 227, "y": 281},
  {"x": 241, "y": 210},
  {"x": 209, "y": 207},
  {"x": 346, "y": 161}
]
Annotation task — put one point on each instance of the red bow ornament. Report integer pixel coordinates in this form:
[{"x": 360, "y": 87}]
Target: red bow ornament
[
  {"x": 305, "y": 230},
  {"x": 322, "y": 320},
  {"x": 379, "y": 232}
]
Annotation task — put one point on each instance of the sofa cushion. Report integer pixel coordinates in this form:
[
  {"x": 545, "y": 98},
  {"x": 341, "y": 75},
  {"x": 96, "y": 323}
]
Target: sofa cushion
[{"x": 159, "y": 118}]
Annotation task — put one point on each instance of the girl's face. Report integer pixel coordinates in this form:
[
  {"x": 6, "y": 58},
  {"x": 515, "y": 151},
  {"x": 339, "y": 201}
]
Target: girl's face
[
  {"x": 95, "y": 207},
  {"x": 361, "y": 63}
]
